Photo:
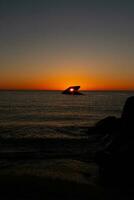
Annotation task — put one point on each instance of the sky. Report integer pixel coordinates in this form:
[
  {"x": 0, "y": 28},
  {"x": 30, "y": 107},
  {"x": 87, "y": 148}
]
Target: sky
[{"x": 53, "y": 44}]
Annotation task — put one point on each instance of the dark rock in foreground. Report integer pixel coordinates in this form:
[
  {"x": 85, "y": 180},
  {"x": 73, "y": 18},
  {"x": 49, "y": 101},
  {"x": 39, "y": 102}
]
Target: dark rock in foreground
[{"x": 116, "y": 154}]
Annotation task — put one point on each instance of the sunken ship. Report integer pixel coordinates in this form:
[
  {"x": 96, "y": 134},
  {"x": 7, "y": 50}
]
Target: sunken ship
[{"x": 73, "y": 90}]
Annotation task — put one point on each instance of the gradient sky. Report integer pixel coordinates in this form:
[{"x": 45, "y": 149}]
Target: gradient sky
[{"x": 52, "y": 44}]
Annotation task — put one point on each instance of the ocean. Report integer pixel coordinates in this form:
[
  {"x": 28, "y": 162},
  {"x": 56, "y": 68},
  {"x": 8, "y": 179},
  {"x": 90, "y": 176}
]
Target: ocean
[
  {"x": 50, "y": 114},
  {"x": 44, "y": 133}
]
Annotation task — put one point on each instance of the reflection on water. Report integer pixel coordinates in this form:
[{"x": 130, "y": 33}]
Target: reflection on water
[{"x": 48, "y": 114}]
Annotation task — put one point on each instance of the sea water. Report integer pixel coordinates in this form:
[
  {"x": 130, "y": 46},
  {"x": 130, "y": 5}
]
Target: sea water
[
  {"x": 44, "y": 133},
  {"x": 50, "y": 114}
]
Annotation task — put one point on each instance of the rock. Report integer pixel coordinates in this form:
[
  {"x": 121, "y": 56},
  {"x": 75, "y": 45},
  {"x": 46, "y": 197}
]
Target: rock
[
  {"x": 107, "y": 125},
  {"x": 127, "y": 117},
  {"x": 116, "y": 160}
]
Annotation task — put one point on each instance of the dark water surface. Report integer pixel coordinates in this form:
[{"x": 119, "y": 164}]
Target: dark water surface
[
  {"x": 44, "y": 124},
  {"x": 44, "y": 133},
  {"x": 49, "y": 114}
]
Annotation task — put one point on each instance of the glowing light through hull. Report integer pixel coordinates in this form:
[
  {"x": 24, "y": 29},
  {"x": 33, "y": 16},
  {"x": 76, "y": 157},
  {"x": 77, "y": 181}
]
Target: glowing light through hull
[{"x": 71, "y": 90}]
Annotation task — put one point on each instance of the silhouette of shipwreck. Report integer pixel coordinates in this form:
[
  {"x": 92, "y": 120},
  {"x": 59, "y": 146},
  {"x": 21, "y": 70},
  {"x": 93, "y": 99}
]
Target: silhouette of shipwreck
[{"x": 73, "y": 90}]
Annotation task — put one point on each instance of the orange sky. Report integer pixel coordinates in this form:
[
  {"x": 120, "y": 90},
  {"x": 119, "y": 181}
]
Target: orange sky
[
  {"x": 63, "y": 71},
  {"x": 62, "y": 82},
  {"x": 50, "y": 46}
]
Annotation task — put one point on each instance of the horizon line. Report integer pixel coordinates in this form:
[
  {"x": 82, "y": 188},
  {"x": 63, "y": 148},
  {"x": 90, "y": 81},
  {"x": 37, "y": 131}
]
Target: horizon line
[{"x": 91, "y": 90}]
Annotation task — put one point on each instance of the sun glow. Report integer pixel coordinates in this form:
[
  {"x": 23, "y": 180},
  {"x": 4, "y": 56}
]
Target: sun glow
[{"x": 71, "y": 89}]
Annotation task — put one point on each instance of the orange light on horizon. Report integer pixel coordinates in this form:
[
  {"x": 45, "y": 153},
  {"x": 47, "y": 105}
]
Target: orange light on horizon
[{"x": 63, "y": 81}]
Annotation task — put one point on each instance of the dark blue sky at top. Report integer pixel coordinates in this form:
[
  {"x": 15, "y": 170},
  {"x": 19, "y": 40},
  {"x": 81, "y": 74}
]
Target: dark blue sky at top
[
  {"x": 40, "y": 20},
  {"x": 101, "y": 28}
]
